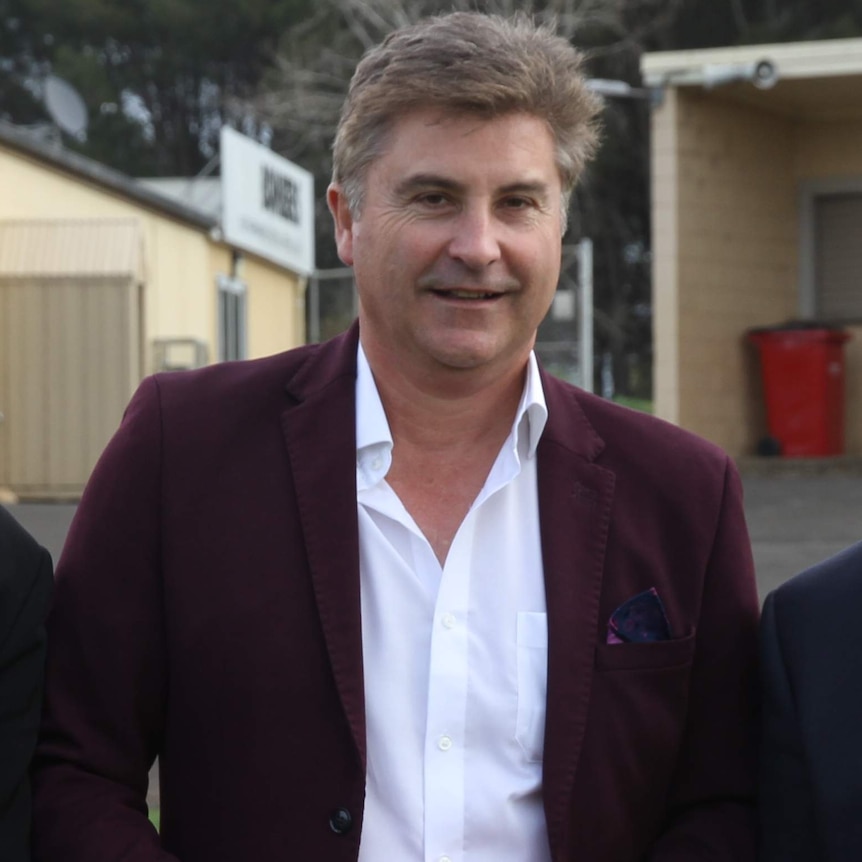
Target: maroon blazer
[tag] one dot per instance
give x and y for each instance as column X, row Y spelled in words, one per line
column 207, row 612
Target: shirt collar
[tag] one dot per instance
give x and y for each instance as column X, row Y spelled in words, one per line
column 374, row 439
column 533, row 410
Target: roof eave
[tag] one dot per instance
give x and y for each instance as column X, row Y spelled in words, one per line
column 101, row 175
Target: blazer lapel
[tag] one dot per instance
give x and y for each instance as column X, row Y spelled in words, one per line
column 320, row 432
column 575, row 502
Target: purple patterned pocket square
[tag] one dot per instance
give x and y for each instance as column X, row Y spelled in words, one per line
column 639, row 620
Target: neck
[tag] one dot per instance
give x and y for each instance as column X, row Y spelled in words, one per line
column 449, row 408
column 447, row 429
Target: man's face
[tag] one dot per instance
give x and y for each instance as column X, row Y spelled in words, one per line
column 456, row 252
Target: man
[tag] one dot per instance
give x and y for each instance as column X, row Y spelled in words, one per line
column 25, row 590
column 402, row 596
column 811, row 648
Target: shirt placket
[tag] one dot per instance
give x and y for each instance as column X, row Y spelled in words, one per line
column 447, row 706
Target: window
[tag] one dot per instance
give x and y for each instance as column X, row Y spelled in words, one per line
column 231, row 319
column 830, row 259
column 838, row 257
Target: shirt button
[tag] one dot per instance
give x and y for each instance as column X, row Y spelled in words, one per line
column 444, row 859
column 340, row 821
column 376, row 463
column 449, row 623
column 445, row 743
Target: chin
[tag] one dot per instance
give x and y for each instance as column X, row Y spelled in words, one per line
column 462, row 354
column 472, row 359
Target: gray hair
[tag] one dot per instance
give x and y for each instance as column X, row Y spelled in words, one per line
column 466, row 63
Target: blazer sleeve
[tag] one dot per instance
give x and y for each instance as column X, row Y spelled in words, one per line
column 103, row 719
column 25, row 590
column 712, row 804
column 787, row 828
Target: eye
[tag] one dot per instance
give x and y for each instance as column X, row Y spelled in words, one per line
column 516, row 202
column 432, row 199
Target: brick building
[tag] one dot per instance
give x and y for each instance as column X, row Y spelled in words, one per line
column 757, row 219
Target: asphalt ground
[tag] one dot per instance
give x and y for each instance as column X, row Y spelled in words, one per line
column 794, row 521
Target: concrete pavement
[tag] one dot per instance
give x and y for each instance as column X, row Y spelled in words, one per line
column 48, row 522
column 796, row 521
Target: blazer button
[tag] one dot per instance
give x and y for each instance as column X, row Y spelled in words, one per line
column 340, row 821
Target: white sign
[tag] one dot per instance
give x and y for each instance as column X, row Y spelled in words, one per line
column 267, row 203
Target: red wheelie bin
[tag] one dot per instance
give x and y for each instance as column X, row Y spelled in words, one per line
column 803, row 385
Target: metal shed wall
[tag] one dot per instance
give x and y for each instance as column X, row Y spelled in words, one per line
column 70, row 348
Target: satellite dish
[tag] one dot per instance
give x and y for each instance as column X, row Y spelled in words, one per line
column 65, row 105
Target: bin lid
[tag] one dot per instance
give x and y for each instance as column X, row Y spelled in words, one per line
column 799, row 331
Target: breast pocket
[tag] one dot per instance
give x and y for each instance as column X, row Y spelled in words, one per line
column 657, row 655
column 639, row 705
column 532, row 683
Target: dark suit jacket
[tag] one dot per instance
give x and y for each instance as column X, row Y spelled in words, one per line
column 811, row 788
column 25, row 590
column 207, row 612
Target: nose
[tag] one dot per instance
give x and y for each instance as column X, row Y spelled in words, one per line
column 475, row 241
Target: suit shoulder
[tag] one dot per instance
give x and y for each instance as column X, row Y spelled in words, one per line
column 223, row 377
column 615, row 419
column 811, row 621
column 640, row 441
column 15, row 542
column 248, row 385
column 831, row 584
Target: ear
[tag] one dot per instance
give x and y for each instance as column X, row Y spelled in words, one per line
column 343, row 222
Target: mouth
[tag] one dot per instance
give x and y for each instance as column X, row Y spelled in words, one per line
column 470, row 295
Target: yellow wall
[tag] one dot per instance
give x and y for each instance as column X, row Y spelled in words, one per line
column 276, row 316
column 275, row 301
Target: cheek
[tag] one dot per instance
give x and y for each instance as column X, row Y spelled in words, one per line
column 540, row 262
column 407, row 253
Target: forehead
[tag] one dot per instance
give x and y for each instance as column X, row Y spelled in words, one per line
column 508, row 148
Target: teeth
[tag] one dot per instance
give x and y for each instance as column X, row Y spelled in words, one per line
column 470, row 294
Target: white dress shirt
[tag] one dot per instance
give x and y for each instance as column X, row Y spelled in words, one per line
column 455, row 658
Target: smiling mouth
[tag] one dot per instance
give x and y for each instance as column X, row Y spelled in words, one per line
column 467, row 294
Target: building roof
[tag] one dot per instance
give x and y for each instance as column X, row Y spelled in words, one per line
column 818, row 80
column 200, row 193
column 828, row 58
column 54, row 154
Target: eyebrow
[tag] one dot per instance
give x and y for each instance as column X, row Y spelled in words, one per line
column 421, row 181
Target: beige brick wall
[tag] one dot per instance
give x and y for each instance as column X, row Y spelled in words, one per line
column 734, row 237
column 827, row 150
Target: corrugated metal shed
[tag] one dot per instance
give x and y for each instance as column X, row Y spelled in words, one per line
column 83, row 248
